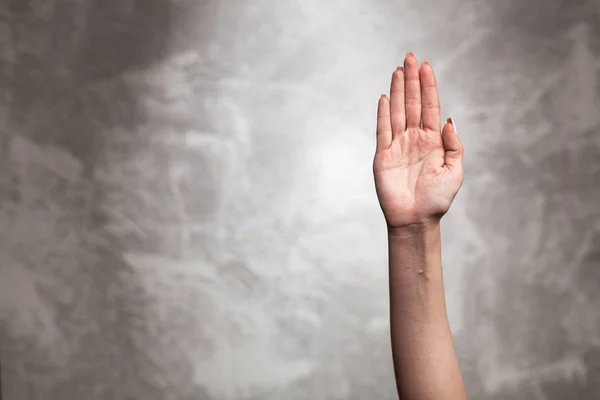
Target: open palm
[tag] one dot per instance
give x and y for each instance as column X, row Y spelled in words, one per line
column 417, row 167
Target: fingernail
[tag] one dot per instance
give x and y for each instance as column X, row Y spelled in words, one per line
column 453, row 125
column 382, row 96
column 410, row 54
column 399, row 68
column 425, row 62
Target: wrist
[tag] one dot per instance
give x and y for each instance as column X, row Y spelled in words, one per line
column 416, row 229
column 417, row 247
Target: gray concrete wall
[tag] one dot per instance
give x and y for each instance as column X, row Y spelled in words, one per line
column 187, row 208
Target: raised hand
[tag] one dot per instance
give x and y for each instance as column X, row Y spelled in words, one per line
column 417, row 167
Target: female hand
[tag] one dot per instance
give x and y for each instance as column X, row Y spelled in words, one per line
column 417, row 167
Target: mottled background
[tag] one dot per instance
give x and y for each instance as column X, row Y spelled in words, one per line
column 187, row 208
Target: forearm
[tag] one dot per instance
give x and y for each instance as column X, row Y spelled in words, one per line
column 424, row 358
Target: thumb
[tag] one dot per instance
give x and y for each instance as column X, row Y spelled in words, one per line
column 452, row 146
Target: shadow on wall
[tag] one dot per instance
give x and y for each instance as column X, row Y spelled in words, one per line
column 71, row 308
column 531, row 325
column 66, row 55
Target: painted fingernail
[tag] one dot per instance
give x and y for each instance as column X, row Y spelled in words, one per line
column 453, row 125
column 410, row 54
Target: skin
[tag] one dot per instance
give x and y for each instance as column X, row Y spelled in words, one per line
column 418, row 169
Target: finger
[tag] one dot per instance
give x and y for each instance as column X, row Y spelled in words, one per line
column 384, row 125
column 412, row 91
column 397, row 102
column 453, row 147
column 430, row 101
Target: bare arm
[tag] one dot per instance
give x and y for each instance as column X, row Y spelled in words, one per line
column 424, row 358
column 418, row 171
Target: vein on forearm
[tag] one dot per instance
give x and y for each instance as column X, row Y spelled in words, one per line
column 415, row 272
